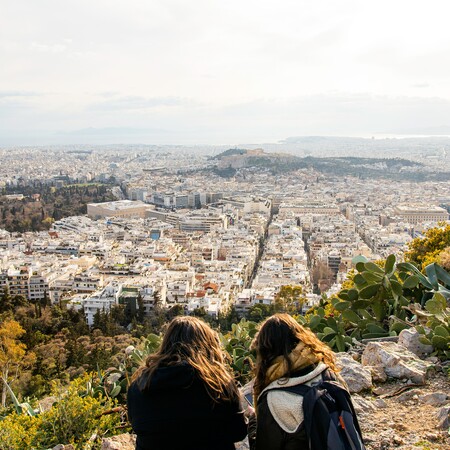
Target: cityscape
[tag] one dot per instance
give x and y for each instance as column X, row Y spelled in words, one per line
column 224, row 225
column 210, row 230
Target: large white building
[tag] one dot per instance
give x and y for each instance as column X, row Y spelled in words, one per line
column 415, row 214
column 120, row 208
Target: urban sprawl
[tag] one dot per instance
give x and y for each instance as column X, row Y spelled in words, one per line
column 182, row 233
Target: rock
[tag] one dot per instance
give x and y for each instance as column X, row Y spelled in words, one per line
column 362, row 406
column 121, row 442
column 409, row 395
column 357, row 377
column 380, row 403
column 433, row 437
column 396, row 361
column 64, row 447
column 243, row 445
column 378, row 373
column 434, row 399
column 409, row 338
column 46, row 403
column 432, row 359
column 443, row 416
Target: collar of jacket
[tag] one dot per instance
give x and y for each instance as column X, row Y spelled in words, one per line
column 286, row 382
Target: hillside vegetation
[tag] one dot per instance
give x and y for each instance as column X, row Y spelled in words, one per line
column 390, row 168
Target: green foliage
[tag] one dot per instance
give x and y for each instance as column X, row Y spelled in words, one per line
column 376, row 303
column 53, row 204
column 437, row 329
column 237, row 343
column 113, row 383
column 426, row 250
column 75, row 418
column 329, row 327
column 289, row 298
column 374, row 307
column 18, row 431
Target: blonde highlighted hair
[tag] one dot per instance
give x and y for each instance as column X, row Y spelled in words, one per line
column 278, row 336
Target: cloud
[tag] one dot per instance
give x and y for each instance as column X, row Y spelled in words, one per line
column 49, row 48
column 20, row 94
column 136, row 103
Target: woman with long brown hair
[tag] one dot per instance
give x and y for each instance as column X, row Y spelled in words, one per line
column 287, row 355
column 184, row 397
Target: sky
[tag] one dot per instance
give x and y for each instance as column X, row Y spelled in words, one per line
column 221, row 72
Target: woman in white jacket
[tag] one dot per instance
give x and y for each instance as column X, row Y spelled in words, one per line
column 287, row 355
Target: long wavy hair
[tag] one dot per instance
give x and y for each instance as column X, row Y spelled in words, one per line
column 190, row 340
column 278, row 336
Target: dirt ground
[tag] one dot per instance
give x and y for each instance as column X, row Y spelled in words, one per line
column 405, row 421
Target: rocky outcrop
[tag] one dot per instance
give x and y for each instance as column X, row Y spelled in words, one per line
column 357, row 377
column 395, row 360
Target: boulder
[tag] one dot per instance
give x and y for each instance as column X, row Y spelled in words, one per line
column 395, row 360
column 409, row 338
column 357, row 377
column 120, row 442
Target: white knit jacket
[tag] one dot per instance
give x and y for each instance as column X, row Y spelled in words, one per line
column 287, row 407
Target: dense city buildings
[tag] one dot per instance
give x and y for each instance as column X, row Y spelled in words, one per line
column 204, row 232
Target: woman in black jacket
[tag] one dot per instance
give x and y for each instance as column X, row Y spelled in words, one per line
column 184, row 398
column 287, row 355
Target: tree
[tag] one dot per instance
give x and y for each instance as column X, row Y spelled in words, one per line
column 321, row 275
column 141, row 308
column 12, row 352
column 426, row 250
column 6, row 303
column 289, row 298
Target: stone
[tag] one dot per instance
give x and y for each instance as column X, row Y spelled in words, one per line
column 120, row 442
column 243, row 445
column 378, row 374
column 434, row 399
column 357, row 377
column 396, row 361
column 409, row 338
column 64, row 447
column 362, row 406
column 409, row 395
column 47, row 402
column 443, row 416
column 380, row 403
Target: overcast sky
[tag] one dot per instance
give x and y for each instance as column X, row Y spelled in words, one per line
column 207, row 71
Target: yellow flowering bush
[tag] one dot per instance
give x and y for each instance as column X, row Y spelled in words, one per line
column 75, row 418
column 18, row 432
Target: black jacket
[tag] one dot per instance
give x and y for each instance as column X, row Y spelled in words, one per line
column 176, row 413
column 279, row 420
